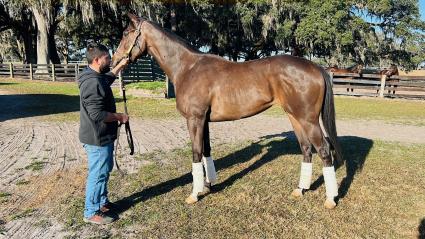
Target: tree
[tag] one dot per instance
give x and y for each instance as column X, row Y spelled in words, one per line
column 16, row 17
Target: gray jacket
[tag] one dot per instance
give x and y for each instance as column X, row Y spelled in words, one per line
column 96, row 100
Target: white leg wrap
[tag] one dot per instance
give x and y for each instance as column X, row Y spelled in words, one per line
column 211, row 175
column 198, row 179
column 330, row 182
column 305, row 176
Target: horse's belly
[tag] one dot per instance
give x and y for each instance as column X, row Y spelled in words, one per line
column 234, row 112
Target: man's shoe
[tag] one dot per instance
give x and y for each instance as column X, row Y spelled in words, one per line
column 99, row 218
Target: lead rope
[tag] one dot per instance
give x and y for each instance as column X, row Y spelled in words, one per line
column 118, row 141
column 116, row 150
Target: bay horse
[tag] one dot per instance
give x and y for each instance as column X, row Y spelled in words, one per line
column 391, row 71
column 356, row 69
column 209, row 88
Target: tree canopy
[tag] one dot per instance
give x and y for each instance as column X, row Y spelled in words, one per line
column 371, row 32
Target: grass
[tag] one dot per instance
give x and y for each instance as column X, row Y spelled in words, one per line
column 4, row 194
column 4, row 197
column 405, row 112
column 381, row 188
column 25, row 213
column 59, row 101
column 36, row 166
column 22, row 182
column 148, row 85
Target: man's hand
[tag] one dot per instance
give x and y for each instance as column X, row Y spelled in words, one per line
column 120, row 117
column 121, row 65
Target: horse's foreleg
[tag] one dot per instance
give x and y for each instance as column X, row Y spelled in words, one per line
column 207, row 160
column 196, row 132
column 322, row 147
column 306, row 164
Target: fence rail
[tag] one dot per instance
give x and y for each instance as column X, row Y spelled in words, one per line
column 379, row 85
column 144, row 69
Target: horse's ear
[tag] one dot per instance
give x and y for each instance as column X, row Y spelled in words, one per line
column 134, row 19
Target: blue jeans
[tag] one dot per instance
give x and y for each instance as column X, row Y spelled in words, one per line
column 100, row 162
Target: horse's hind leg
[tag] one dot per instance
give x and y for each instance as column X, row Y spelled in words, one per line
column 207, row 160
column 196, row 132
column 316, row 137
column 306, row 164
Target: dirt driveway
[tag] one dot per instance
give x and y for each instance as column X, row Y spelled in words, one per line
column 33, row 150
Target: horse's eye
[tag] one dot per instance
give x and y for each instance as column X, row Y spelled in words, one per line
column 125, row 34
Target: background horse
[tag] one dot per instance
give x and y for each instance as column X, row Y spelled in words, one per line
column 391, row 71
column 211, row 89
column 356, row 69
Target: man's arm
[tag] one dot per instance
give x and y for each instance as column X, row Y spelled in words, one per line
column 112, row 75
column 92, row 96
column 93, row 101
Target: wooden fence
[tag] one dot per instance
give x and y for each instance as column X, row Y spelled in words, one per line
column 379, row 86
column 41, row 71
column 144, row 69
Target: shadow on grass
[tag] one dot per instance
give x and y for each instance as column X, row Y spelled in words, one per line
column 7, row 83
column 28, row 105
column 355, row 152
column 421, row 229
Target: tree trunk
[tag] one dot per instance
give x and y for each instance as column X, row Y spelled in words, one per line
column 43, row 26
column 53, row 52
column 30, row 46
column 173, row 20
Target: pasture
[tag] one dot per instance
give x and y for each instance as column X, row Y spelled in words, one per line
column 381, row 185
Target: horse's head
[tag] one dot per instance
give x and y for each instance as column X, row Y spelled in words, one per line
column 133, row 44
column 358, row 69
column 394, row 69
column 391, row 71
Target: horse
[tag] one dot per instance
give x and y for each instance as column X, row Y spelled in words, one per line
column 391, row 71
column 356, row 69
column 209, row 88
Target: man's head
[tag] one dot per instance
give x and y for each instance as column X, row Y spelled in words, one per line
column 98, row 57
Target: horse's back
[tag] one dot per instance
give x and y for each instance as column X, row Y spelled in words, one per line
column 241, row 89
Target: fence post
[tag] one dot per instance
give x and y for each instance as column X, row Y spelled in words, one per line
column 169, row 88
column 152, row 70
column 11, row 69
column 381, row 90
column 76, row 71
column 53, row 72
column 31, row 71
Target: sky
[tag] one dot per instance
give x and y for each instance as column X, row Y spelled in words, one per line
column 422, row 9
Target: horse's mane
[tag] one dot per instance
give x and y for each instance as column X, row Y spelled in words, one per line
column 173, row 36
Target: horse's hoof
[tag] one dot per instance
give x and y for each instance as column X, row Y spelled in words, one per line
column 330, row 204
column 191, row 199
column 297, row 193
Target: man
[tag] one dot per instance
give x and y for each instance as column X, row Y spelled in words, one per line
column 98, row 130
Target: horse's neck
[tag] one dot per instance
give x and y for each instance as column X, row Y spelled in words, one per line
column 170, row 53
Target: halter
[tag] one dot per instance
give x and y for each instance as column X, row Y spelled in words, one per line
column 137, row 34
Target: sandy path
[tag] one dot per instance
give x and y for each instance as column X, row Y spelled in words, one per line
column 55, row 146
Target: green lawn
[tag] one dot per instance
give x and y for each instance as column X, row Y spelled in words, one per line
column 381, row 188
column 65, row 96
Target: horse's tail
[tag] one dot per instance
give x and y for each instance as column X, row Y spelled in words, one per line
column 328, row 117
